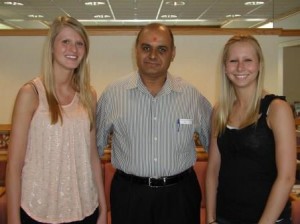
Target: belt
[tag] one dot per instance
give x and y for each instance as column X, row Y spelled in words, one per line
column 155, row 182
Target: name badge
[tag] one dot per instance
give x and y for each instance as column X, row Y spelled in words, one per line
column 185, row 121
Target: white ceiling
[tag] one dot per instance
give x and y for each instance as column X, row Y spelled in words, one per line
column 211, row 13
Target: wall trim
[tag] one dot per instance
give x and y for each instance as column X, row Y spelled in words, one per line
column 177, row 30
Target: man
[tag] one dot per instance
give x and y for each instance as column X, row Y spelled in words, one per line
column 153, row 116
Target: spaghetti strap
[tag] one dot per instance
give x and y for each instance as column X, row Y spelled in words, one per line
column 33, row 86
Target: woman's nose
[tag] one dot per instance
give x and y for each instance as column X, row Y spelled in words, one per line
column 72, row 47
column 241, row 66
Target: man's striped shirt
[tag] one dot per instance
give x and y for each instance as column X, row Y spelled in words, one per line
column 152, row 136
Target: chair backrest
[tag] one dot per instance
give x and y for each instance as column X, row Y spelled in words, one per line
column 200, row 169
column 109, row 172
column 296, row 211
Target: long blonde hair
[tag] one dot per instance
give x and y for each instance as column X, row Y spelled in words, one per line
column 227, row 95
column 81, row 76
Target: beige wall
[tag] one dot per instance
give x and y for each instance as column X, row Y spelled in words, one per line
column 112, row 56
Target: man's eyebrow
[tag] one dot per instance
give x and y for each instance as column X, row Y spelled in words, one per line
column 159, row 46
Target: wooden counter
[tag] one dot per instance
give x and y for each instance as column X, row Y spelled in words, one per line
column 2, row 191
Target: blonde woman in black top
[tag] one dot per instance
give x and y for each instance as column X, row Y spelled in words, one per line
column 252, row 156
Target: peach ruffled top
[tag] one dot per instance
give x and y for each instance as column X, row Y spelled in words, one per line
column 57, row 179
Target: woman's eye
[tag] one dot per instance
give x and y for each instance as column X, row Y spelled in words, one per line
column 80, row 44
column 66, row 41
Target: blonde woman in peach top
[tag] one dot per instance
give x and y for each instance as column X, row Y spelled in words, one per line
column 53, row 170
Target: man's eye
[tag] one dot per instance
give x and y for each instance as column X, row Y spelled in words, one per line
column 162, row 49
column 145, row 48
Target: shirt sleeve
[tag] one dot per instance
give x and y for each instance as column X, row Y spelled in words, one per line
column 102, row 124
column 204, row 116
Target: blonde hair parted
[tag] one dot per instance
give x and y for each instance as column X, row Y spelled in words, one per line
column 227, row 95
column 81, row 76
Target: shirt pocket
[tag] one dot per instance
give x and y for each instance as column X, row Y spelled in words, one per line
column 185, row 133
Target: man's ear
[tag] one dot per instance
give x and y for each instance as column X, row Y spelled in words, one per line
column 173, row 53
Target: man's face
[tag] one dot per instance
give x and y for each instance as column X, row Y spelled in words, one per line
column 154, row 52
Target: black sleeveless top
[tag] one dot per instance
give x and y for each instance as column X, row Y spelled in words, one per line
column 248, row 170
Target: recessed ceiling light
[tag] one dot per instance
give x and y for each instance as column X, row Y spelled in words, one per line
column 13, row 3
column 16, row 20
column 3, row 26
column 169, row 16
column 255, row 20
column 94, row 3
column 175, row 3
column 35, row 16
column 101, row 16
column 254, row 3
column 267, row 25
column 233, row 16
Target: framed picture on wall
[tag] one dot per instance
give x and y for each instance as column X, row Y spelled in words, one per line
column 4, row 137
column 4, row 141
column 297, row 108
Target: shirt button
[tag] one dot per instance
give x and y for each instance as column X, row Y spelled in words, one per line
column 155, row 159
column 155, row 139
column 155, row 118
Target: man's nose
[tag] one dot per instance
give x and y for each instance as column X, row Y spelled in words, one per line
column 153, row 54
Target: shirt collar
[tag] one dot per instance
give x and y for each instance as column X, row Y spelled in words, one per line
column 172, row 83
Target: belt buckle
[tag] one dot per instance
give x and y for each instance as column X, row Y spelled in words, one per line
column 150, row 183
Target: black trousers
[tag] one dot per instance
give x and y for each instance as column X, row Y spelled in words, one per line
column 92, row 219
column 133, row 203
column 225, row 221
